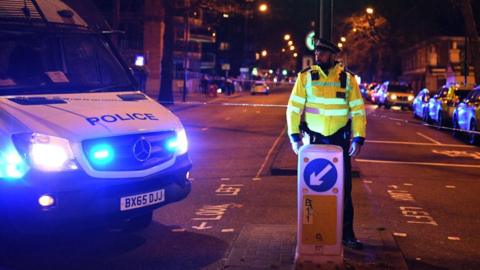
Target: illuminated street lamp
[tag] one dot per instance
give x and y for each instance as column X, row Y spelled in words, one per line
column 343, row 39
column 286, row 37
column 340, row 45
column 283, row 50
column 355, row 30
column 295, row 54
column 264, row 53
column 263, row 7
column 369, row 10
column 292, row 48
column 225, row 15
column 290, row 43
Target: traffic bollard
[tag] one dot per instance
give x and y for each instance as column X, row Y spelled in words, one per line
column 320, row 207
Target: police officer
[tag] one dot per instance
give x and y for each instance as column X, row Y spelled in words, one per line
column 326, row 105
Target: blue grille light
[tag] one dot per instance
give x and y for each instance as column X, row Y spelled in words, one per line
column 102, row 154
column 172, row 145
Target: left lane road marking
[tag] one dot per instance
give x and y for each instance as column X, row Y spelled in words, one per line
column 428, row 138
column 418, row 163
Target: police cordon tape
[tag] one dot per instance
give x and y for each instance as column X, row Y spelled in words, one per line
column 257, row 105
column 267, row 106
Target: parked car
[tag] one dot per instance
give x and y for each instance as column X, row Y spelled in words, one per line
column 260, row 87
column 466, row 116
column 420, row 104
column 393, row 93
column 442, row 104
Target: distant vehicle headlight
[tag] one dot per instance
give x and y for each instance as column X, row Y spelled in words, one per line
column 46, row 153
column 394, row 97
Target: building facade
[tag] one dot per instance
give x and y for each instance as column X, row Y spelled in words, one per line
column 435, row 62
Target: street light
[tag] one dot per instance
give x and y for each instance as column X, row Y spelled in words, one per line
column 263, row 7
column 295, row 54
column 369, row 10
column 286, row 37
column 290, row 43
column 292, row 48
column 264, row 53
column 340, row 45
column 283, row 50
column 343, row 39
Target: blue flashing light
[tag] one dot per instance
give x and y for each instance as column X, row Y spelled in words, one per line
column 102, row 154
column 12, row 165
column 172, row 145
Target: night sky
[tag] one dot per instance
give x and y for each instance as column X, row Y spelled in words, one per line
column 414, row 20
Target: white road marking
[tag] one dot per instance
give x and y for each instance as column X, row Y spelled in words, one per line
column 454, row 238
column 224, row 179
column 258, row 112
column 228, row 118
column 367, row 181
column 418, row 259
column 179, row 230
column 450, row 186
column 400, row 234
column 398, row 124
column 396, row 119
column 369, row 190
column 228, row 230
column 428, row 138
column 270, row 153
column 204, row 129
column 256, row 179
column 407, row 184
column 418, row 163
column 424, row 144
column 202, row 226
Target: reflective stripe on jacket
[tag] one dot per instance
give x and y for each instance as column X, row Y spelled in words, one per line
column 324, row 104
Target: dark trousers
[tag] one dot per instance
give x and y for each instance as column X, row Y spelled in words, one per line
column 342, row 139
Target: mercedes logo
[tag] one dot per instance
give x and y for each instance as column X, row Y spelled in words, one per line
column 142, row 149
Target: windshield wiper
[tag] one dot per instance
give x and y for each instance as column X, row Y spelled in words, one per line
column 110, row 87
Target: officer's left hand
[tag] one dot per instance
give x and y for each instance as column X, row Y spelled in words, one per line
column 355, row 148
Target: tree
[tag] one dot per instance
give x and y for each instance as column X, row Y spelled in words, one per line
column 472, row 34
column 368, row 45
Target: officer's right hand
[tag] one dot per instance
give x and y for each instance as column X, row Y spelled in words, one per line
column 296, row 147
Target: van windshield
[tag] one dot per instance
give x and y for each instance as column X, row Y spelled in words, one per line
column 399, row 88
column 48, row 63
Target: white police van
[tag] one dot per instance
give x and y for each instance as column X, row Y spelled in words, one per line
column 78, row 145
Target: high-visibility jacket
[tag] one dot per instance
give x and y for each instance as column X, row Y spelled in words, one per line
column 326, row 105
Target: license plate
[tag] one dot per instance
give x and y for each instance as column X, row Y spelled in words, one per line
column 142, row 200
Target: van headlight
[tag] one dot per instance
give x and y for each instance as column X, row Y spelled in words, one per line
column 393, row 97
column 45, row 153
column 410, row 98
column 179, row 144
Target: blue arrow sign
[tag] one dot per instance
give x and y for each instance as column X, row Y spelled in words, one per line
column 320, row 175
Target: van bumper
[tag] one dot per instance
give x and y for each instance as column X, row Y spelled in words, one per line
column 83, row 202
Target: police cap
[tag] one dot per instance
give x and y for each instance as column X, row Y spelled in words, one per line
column 326, row 45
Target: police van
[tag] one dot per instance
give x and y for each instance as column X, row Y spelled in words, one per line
column 79, row 145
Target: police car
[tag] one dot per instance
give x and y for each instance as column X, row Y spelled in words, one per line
column 79, row 145
column 442, row 104
column 420, row 104
column 467, row 116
